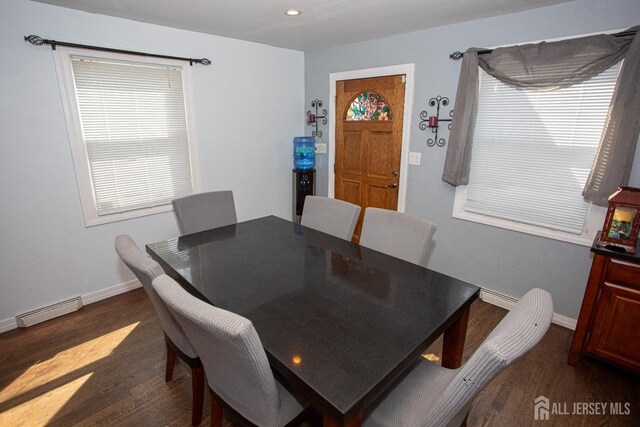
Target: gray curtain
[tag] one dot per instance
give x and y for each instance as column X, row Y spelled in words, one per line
column 612, row 165
column 458, row 159
column 549, row 66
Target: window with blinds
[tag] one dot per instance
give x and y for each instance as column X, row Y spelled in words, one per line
column 533, row 150
column 133, row 135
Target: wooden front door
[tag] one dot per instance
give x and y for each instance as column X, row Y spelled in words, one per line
column 369, row 115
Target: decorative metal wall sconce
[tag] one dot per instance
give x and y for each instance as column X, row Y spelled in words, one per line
column 312, row 119
column 432, row 121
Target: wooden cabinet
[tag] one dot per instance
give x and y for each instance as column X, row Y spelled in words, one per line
column 609, row 322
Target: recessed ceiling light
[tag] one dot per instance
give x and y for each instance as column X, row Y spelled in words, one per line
column 292, row 12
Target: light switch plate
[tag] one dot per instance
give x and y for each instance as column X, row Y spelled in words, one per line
column 415, row 158
column 321, row 148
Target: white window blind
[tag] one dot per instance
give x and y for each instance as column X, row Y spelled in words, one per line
column 134, row 128
column 533, row 150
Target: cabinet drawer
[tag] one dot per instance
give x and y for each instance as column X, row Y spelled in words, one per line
column 623, row 272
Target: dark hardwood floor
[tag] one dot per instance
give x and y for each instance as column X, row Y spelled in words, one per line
column 104, row 365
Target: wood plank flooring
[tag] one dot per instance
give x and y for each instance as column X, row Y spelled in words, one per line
column 104, row 366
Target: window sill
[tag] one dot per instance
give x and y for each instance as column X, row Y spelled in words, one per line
column 525, row 228
column 594, row 222
column 93, row 220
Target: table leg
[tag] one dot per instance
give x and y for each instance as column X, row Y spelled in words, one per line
column 453, row 342
column 330, row 422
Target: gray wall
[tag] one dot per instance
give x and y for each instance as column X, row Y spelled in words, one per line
column 505, row 261
column 248, row 107
column 249, row 104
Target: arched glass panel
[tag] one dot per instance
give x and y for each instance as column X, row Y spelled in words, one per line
column 368, row 106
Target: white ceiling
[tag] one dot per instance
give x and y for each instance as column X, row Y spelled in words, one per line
column 323, row 23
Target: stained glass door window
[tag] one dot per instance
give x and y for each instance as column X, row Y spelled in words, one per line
column 368, row 106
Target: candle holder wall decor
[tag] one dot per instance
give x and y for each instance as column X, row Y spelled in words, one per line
column 312, row 119
column 427, row 121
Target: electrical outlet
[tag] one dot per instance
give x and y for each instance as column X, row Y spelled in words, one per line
column 415, row 158
column 321, row 148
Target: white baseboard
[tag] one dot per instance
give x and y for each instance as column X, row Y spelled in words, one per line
column 110, row 292
column 8, row 324
column 506, row 301
column 90, row 298
column 496, row 298
column 564, row 321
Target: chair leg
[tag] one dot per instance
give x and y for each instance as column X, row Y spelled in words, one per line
column 197, row 385
column 216, row 412
column 171, row 362
column 464, row 422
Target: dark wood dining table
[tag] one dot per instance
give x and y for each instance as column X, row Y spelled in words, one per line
column 340, row 323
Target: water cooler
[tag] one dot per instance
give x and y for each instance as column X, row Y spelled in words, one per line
column 304, row 173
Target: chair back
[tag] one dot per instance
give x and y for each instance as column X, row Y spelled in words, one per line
column 231, row 352
column 397, row 234
column 331, row 216
column 521, row 329
column 204, row 211
column 145, row 269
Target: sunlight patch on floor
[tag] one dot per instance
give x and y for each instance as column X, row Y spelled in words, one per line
column 65, row 363
column 41, row 409
column 431, row 357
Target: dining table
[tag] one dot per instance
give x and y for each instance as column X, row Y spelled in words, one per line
column 340, row 323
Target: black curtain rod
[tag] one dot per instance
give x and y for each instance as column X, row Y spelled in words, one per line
column 458, row 54
column 39, row 41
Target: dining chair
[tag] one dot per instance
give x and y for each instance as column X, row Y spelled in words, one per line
column 145, row 269
column 434, row 396
column 234, row 360
column 331, row 216
column 204, row 211
column 397, row 234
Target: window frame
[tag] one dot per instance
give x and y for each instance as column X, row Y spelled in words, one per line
column 593, row 221
column 64, row 71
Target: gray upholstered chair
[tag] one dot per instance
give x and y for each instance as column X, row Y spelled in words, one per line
column 331, row 216
column 204, row 211
column 434, row 396
column 146, row 269
column 234, row 360
column 397, row 234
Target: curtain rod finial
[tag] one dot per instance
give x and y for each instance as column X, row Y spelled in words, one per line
column 456, row 55
column 34, row 40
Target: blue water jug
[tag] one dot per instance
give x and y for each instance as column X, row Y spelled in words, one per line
column 304, row 152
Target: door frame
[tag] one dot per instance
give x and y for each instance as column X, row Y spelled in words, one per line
column 408, row 70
